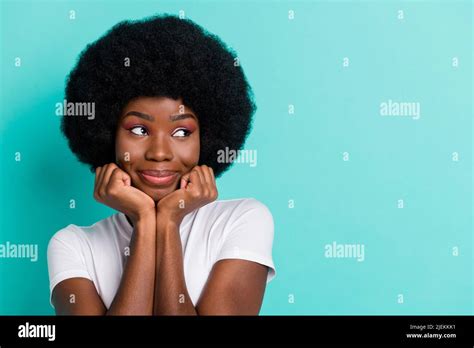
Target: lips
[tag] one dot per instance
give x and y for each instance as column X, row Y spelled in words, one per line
column 158, row 177
column 158, row 173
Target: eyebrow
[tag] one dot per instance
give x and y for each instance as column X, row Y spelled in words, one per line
column 151, row 118
column 141, row 115
column 181, row 117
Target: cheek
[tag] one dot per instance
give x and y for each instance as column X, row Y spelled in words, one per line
column 126, row 151
column 189, row 154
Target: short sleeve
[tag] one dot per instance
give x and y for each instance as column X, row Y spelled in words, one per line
column 64, row 258
column 249, row 235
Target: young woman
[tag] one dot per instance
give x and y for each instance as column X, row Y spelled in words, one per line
column 167, row 97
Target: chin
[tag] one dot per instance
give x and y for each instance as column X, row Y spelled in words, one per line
column 158, row 194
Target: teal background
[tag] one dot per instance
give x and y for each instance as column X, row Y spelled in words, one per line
column 300, row 156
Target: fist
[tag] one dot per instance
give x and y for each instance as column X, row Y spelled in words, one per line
column 197, row 188
column 113, row 188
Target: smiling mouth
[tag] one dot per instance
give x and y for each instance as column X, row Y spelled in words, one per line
column 158, row 178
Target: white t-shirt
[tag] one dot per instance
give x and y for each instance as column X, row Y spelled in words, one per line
column 224, row 229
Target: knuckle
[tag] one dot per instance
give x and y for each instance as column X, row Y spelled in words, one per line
column 114, row 172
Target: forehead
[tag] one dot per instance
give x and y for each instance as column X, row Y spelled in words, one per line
column 162, row 107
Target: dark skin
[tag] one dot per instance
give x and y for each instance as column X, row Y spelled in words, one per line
column 161, row 134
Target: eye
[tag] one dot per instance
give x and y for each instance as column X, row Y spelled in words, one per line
column 139, row 130
column 181, row 133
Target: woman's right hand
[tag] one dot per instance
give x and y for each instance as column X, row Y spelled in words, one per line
column 113, row 188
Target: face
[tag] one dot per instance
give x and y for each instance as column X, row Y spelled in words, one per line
column 157, row 142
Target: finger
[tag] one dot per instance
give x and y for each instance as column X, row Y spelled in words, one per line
column 192, row 177
column 206, row 188
column 126, row 178
column 96, row 181
column 211, row 182
column 212, row 174
column 106, row 177
column 123, row 176
column 202, row 179
column 108, row 173
column 195, row 180
column 101, row 175
column 207, row 175
column 96, row 178
column 118, row 176
column 184, row 180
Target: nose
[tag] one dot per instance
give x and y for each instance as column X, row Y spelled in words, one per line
column 159, row 148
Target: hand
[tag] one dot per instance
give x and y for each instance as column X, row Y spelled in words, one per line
column 197, row 188
column 113, row 188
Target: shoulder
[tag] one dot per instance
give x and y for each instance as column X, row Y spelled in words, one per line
column 247, row 233
column 68, row 236
column 234, row 215
column 75, row 235
column 238, row 207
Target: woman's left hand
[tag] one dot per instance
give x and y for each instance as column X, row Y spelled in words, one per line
column 197, row 188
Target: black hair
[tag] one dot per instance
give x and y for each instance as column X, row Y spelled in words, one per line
column 159, row 56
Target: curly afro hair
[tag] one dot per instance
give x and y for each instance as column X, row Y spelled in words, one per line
column 168, row 57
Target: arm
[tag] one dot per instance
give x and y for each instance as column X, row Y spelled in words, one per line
column 234, row 287
column 171, row 293
column 135, row 293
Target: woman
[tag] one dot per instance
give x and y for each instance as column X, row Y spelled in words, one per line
column 167, row 97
